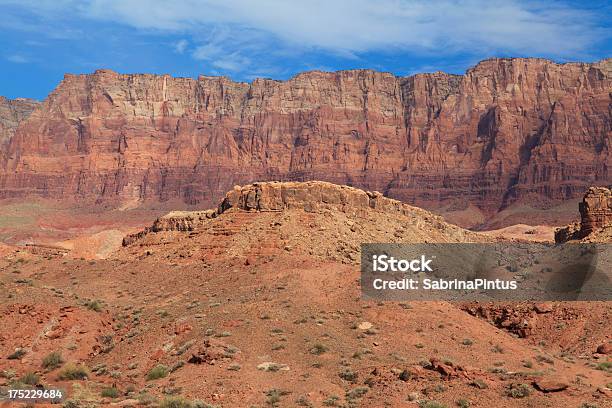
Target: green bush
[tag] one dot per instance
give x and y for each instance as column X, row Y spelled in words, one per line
column 94, row 305
column 431, row 404
column 52, row 360
column 318, row 349
column 518, row 390
column 111, row 392
column 30, row 378
column 157, row 372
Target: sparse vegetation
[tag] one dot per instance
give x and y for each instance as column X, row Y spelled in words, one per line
column 604, row 366
column 356, row 393
column 303, row 401
column 52, row 360
column 331, row 401
column 157, row 372
column 30, row 378
column 179, row 402
column 463, row 403
column 497, row 349
column 518, row 390
column 348, row 375
column 73, row 372
column 431, row 404
column 110, row 392
column 94, row 305
column 544, row 359
column 318, row 349
column 467, row 342
column 274, row 396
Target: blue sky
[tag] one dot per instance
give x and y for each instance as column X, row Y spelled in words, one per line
column 43, row 39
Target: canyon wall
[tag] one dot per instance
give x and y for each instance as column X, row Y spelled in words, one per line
column 508, row 130
column 12, row 113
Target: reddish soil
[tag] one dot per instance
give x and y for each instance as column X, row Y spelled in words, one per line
column 255, row 309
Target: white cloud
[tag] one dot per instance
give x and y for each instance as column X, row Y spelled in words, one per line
column 356, row 26
column 17, row 59
column 180, row 46
column 231, row 34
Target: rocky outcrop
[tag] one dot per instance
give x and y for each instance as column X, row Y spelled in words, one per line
column 507, row 130
column 12, row 113
column 595, row 215
column 173, row 221
column 312, row 196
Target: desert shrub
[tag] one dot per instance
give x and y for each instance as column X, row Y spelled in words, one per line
column 110, row 392
column 157, row 372
column 71, row 403
column 467, row 342
column 73, row 372
column 348, row 375
column 356, row 393
column 431, row 404
column 544, row 359
column 331, row 401
column 518, row 390
column 94, row 305
column 463, row 403
column 178, row 402
column 605, row 366
column 302, row 401
column 274, row 396
column 52, row 360
column 318, row 349
column 30, row 378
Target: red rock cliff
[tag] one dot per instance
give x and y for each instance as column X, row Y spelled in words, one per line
column 506, row 130
column 12, row 113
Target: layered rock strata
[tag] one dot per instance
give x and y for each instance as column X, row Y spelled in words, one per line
column 313, row 196
column 508, row 130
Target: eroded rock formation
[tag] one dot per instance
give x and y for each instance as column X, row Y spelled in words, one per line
column 595, row 215
column 507, row 130
column 311, row 196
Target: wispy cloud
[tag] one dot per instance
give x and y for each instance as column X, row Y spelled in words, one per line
column 17, row 59
column 180, row 46
column 353, row 26
column 233, row 34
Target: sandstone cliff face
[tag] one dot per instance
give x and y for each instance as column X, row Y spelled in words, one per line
column 12, row 113
column 595, row 217
column 509, row 129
